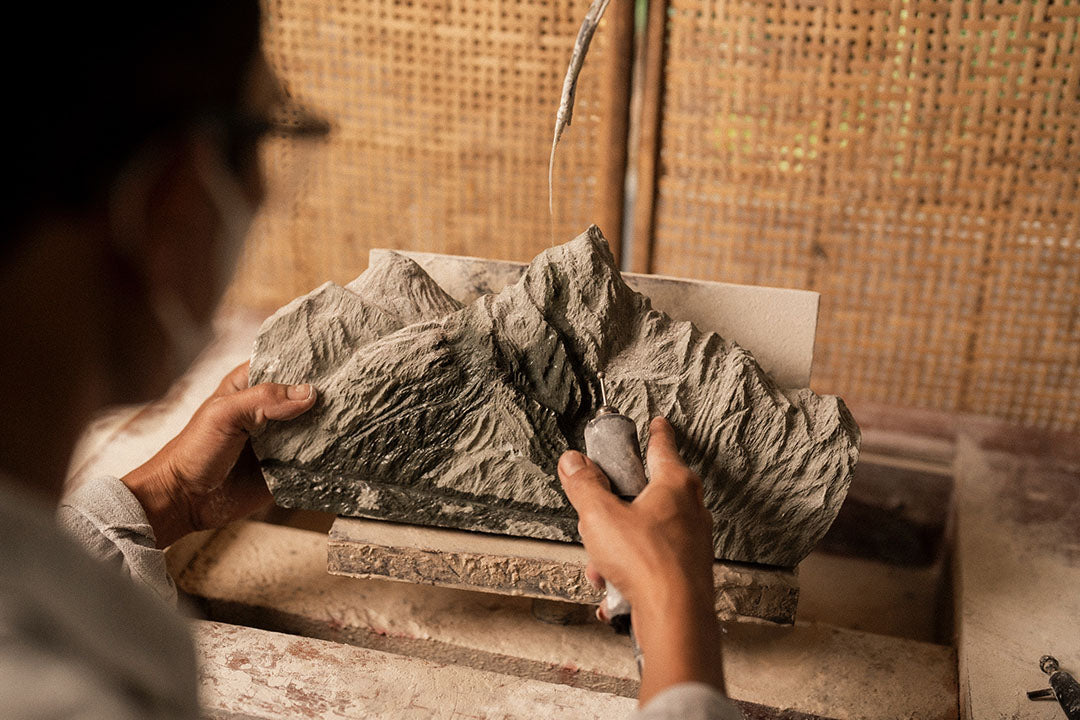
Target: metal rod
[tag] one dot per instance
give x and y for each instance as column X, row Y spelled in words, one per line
column 601, row 377
column 603, row 391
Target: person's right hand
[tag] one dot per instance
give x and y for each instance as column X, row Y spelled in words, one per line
column 658, row 551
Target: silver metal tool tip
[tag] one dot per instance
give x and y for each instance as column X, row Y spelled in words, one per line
column 603, row 390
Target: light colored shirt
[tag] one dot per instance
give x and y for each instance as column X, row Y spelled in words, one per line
column 689, row 701
column 109, row 523
column 76, row 639
column 79, row 641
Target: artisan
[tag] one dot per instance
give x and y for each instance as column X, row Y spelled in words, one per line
column 133, row 130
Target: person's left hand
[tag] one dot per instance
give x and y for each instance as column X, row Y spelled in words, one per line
column 208, row 475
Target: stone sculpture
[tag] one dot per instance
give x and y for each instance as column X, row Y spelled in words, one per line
column 434, row 413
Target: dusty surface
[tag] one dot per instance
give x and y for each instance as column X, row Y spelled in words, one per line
column 877, row 598
column 459, row 419
column 896, row 512
column 274, row 577
column 839, row 673
column 1017, row 576
column 527, row 567
column 249, row 673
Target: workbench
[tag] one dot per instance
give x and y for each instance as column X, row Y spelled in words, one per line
column 953, row 566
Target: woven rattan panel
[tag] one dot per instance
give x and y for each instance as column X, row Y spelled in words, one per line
column 443, row 112
column 916, row 161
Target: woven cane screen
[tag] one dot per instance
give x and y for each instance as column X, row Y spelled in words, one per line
column 443, row 113
column 915, row 161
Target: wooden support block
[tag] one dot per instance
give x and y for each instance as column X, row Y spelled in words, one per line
column 249, row 673
column 526, row 567
column 1016, row 574
column 274, row 577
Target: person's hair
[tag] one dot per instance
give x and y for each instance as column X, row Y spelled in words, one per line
column 90, row 83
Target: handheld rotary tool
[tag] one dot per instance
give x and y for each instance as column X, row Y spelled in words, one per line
column 611, row 442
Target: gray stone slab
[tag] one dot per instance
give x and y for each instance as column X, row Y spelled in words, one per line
column 526, row 567
column 458, row 419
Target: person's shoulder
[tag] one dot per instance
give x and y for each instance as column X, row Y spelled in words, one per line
column 58, row 602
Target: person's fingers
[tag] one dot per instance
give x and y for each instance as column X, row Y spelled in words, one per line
column 235, row 381
column 665, row 462
column 662, row 445
column 585, row 484
column 249, row 410
column 667, row 469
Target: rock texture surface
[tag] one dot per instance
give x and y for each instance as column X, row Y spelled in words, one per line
column 438, row 414
column 541, row 569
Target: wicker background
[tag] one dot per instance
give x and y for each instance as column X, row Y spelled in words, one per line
column 443, row 113
column 915, row 161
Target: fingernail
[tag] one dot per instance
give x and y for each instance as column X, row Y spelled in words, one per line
column 571, row 462
column 299, row 392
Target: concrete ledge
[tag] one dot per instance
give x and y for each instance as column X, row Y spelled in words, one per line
column 249, row 673
column 1016, row 576
column 275, row 577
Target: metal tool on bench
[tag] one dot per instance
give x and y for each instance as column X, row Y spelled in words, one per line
column 1063, row 687
column 611, row 442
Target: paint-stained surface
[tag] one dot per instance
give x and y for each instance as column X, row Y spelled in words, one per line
column 252, row 673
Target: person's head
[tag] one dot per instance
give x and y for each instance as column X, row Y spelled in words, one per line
column 131, row 158
column 132, row 138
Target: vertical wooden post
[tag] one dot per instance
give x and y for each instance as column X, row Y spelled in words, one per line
column 648, row 152
column 617, row 27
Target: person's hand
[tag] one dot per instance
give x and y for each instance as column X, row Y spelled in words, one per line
column 208, row 475
column 658, row 551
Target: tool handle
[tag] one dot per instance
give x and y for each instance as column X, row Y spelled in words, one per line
column 1067, row 690
column 611, row 442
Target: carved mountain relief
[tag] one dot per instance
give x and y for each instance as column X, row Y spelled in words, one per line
column 438, row 414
